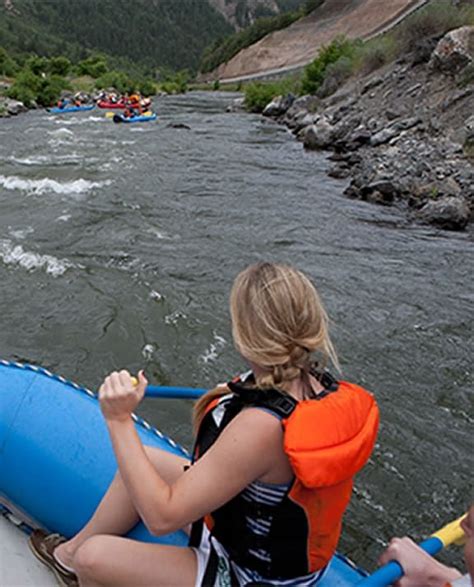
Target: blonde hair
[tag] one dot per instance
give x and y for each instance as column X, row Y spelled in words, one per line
column 278, row 322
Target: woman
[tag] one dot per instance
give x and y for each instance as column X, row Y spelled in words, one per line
column 275, row 456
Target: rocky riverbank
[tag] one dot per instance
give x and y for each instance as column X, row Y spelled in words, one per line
column 403, row 136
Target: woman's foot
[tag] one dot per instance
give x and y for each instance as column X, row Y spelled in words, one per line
column 45, row 547
column 64, row 555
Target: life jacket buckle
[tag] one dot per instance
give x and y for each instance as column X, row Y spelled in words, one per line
column 285, row 405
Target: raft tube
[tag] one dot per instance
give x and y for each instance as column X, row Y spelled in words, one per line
column 67, row 109
column 56, row 458
column 138, row 118
column 113, row 105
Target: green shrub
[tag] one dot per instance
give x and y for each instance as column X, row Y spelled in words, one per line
column 84, row 83
column 116, row 79
column 50, row 90
column 8, row 66
column 259, row 94
column 26, row 87
column 95, row 66
column 335, row 75
column 469, row 148
column 437, row 18
column 176, row 83
column 37, row 65
column 43, row 89
column 375, row 53
column 21, row 93
column 59, row 66
column 170, row 88
column 467, row 76
column 147, row 88
column 314, row 73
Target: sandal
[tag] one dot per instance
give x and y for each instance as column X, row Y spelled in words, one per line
column 42, row 545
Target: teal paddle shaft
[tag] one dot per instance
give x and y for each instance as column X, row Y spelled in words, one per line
column 452, row 533
column 174, row 392
column 393, row 571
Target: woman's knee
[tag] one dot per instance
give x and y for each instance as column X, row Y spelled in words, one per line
column 90, row 556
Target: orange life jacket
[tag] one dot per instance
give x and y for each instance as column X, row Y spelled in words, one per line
column 327, row 439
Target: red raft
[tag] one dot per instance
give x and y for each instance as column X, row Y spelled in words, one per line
column 112, row 105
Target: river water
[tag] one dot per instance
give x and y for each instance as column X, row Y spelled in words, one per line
column 119, row 244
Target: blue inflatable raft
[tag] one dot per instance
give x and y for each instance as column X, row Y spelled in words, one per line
column 68, row 109
column 56, row 459
column 138, row 118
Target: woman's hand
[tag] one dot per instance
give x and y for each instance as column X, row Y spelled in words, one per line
column 119, row 396
column 418, row 566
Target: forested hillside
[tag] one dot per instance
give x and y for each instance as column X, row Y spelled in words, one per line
column 153, row 33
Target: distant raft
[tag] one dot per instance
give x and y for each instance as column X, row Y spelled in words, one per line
column 67, row 109
column 112, row 105
column 137, row 118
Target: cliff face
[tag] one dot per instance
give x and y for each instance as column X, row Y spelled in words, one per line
column 241, row 13
column 299, row 43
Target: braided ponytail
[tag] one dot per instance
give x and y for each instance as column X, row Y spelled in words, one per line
column 278, row 323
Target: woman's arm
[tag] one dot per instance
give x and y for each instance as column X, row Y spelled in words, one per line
column 246, row 450
column 419, row 567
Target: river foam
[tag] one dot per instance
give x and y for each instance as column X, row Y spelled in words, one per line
column 211, row 354
column 47, row 185
column 12, row 254
column 42, row 160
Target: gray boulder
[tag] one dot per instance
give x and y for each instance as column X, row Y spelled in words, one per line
column 449, row 212
column 318, row 135
column 383, row 136
column 340, row 172
column 303, row 104
column 236, row 106
column 454, row 52
column 392, row 130
column 324, row 135
column 302, row 120
column 372, row 83
column 14, row 107
column 279, row 105
column 469, row 128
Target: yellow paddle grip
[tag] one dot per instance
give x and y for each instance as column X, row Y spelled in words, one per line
column 452, row 533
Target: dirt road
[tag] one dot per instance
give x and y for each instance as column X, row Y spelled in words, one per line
column 298, row 44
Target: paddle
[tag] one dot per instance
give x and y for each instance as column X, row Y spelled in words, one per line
column 174, row 392
column 452, row 533
column 167, row 392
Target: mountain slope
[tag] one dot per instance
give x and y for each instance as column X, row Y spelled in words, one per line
column 299, row 43
column 155, row 33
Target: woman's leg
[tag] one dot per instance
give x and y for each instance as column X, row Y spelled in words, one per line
column 104, row 561
column 116, row 513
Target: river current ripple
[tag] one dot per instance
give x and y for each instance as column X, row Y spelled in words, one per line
column 119, row 244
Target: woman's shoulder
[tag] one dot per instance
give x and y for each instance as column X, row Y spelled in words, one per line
column 258, row 422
